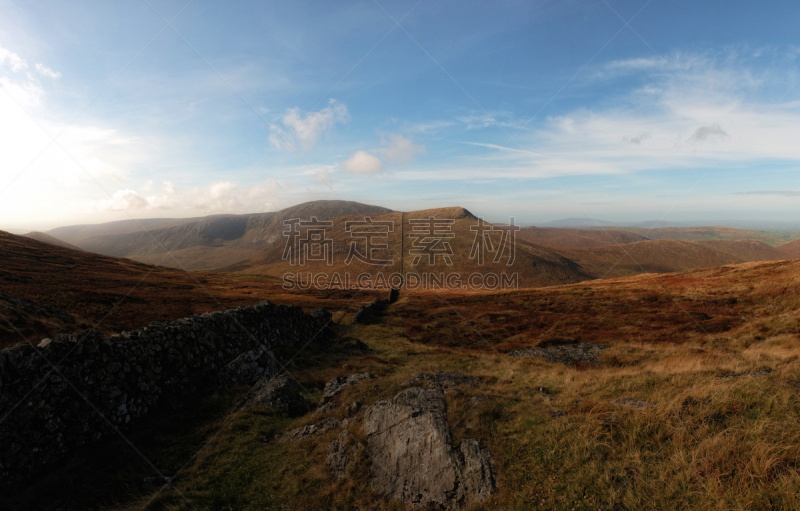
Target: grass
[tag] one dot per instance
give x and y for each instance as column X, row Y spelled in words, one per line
column 711, row 357
column 711, row 441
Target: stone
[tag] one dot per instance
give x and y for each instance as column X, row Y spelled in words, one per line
column 447, row 379
column 366, row 313
column 565, row 354
column 279, row 393
column 311, row 430
column 125, row 377
column 339, row 454
column 412, row 455
column 337, row 385
column 248, row 368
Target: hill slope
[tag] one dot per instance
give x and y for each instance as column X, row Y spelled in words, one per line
column 666, row 256
column 713, row 233
column 790, row 250
column 577, row 238
column 534, row 265
column 46, row 238
column 46, row 289
column 200, row 243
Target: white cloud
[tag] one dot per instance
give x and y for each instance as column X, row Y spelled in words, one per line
column 170, row 188
column 322, row 175
column 46, row 71
column 306, row 130
column 398, row 149
column 221, row 196
column 17, row 63
column 487, row 120
column 692, row 111
column 362, row 163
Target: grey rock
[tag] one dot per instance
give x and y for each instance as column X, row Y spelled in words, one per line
column 311, row 430
column 447, row 379
column 279, row 393
column 565, row 354
column 412, row 455
column 336, row 386
column 248, row 368
column 340, row 454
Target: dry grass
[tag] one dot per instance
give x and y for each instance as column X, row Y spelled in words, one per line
column 695, row 405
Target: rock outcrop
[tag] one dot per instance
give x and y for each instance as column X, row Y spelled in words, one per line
column 335, row 386
column 311, row 430
column 79, row 388
column 280, row 393
column 413, row 459
column 340, row 454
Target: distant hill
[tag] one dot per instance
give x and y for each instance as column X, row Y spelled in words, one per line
column 46, row 238
column 255, row 244
column 535, row 265
column 667, row 256
column 577, row 223
column 577, row 238
column 708, row 233
column 790, row 250
column 200, row 243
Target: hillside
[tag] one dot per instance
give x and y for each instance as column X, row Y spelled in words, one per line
column 790, row 250
column 200, row 243
column 46, row 238
column 666, row 256
column 534, row 265
column 693, row 384
column 564, row 237
column 47, row 289
column 713, row 233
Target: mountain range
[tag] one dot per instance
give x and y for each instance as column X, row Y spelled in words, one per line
column 257, row 244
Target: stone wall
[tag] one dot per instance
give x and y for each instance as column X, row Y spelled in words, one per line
column 103, row 384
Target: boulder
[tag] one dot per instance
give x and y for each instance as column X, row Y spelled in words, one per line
column 335, row 386
column 412, row 455
column 279, row 393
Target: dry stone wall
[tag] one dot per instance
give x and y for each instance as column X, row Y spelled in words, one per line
column 102, row 384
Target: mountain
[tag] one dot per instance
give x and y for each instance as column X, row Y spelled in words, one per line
column 200, row 243
column 46, row 238
column 534, row 265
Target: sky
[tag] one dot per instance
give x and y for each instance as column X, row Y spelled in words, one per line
column 538, row 110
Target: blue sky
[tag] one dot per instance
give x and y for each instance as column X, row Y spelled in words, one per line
column 620, row 110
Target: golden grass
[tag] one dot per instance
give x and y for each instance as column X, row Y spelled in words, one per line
column 717, row 437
